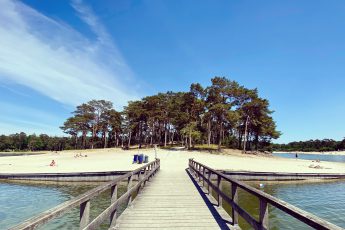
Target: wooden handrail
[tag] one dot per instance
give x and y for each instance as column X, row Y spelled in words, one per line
column 200, row 171
column 83, row 201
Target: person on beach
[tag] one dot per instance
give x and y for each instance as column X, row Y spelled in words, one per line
column 52, row 163
column 296, row 155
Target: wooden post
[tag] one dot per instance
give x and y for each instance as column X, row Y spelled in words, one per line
column 263, row 214
column 144, row 176
column 150, row 168
column 129, row 185
column 84, row 214
column 219, row 186
column 199, row 173
column 153, row 168
column 234, row 197
column 203, row 179
column 209, row 188
column 113, row 198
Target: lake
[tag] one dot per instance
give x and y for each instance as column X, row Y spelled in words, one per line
column 13, row 154
column 21, row 201
column 321, row 157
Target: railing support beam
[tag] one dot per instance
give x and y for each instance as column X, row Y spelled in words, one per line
column 113, row 198
column 129, row 185
column 263, row 215
column 219, row 186
column 234, row 198
column 84, row 214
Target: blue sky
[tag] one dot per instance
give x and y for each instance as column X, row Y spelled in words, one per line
column 55, row 55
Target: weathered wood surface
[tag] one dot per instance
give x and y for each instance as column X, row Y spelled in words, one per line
column 203, row 172
column 170, row 201
column 84, row 201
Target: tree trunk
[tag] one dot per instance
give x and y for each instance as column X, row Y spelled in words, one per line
column 105, row 139
column 257, row 142
column 172, row 138
column 129, row 140
column 220, row 136
column 165, row 135
column 245, row 135
column 93, row 136
column 209, row 132
column 239, row 139
column 190, row 138
column 76, row 141
column 84, row 139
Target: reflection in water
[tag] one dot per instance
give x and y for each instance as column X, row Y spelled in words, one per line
column 325, row 200
column 22, row 201
column 19, row 202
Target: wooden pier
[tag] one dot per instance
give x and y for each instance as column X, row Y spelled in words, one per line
column 171, row 201
column 170, row 196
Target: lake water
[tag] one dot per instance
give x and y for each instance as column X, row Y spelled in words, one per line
column 321, row 157
column 21, row 201
column 12, row 154
column 323, row 199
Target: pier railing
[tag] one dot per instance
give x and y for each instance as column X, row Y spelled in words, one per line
column 143, row 174
column 207, row 175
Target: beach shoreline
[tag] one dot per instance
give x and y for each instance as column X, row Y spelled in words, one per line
column 105, row 160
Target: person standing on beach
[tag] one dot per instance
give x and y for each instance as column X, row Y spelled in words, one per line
column 296, row 155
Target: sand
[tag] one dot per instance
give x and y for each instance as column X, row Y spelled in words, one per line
column 119, row 160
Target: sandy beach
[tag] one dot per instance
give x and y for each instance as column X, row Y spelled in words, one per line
column 119, row 160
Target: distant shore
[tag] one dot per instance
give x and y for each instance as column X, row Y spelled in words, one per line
column 105, row 160
column 340, row 153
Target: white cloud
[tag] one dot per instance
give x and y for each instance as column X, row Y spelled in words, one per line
column 59, row 62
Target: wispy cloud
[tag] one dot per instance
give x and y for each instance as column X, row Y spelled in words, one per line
column 54, row 59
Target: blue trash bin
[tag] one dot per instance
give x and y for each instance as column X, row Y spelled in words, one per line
column 135, row 158
column 146, row 159
column 140, row 158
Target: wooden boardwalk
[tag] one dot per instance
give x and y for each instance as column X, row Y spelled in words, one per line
column 170, row 201
column 173, row 199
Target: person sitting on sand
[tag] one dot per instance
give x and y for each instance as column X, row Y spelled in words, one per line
column 52, row 163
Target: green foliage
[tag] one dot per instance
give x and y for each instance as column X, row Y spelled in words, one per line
column 23, row 142
column 223, row 113
column 311, row 146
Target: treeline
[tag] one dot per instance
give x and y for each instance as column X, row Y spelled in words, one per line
column 224, row 113
column 23, row 142
column 311, row 146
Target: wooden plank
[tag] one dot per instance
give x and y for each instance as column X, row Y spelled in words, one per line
column 84, row 214
column 170, row 201
column 113, row 198
column 59, row 210
column 234, row 198
column 293, row 211
column 263, row 215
